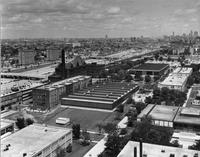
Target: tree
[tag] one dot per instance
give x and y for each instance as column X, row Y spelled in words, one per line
column 110, row 127
column 156, row 56
column 120, row 108
column 60, row 152
column 20, row 122
column 76, row 131
column 99, row 125
column 195, row 146
column 69, row 148
column 147, row 78
column 161, row 58
column 113, row 145
column 139, row 107
column 29, row 121
column 85, row 135
column 128, row 78
column 175, row 143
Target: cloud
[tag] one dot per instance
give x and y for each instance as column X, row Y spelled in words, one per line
column 114, row 10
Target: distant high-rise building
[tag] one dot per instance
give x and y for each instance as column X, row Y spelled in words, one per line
column 173, row 34
column 196, row 34
column 53, row 54
column 106, row 36
column 26, row 56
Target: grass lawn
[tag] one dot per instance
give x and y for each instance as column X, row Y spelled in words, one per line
column 79, row 150
column 86, row 118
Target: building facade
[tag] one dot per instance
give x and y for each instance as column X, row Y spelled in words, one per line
column 49, row 96
column 26, row 56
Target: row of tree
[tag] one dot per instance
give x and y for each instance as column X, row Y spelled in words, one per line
column 167, row 96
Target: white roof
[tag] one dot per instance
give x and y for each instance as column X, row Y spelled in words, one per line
column 180, row 70
column 31, row 140
column 175, row 80
column 153, row 150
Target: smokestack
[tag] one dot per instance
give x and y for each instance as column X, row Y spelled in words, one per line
column 63, row 63
column 141, row 148
column 135, row 151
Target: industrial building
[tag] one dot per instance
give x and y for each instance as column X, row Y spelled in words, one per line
column 26, row 56
column 172, row 116
column 137, row 149
column 36, row 140
column 106, row 95
column 151, row 69
column 177, row 79
column 48, row 96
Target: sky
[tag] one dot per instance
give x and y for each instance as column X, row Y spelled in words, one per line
column 96, row 18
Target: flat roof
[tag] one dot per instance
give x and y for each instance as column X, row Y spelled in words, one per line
column 146, row 110
column 162, row 112
column 181, row 70
column 151, row 67
column 153, row 150
column 31, row 140
column 187, row 119
column 174, row 80
column 6, row 123
column 190, row 111
column 7, row 84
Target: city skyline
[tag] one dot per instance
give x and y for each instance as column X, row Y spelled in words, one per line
column 92, row 18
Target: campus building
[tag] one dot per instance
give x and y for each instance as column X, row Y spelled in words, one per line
column 7, row 127
column 137, row 149
column 106, row 95
column 186, row 118
column 177, row 79
column 151, row 69
column 36, row 140
column 26, row 56
column 48, row 96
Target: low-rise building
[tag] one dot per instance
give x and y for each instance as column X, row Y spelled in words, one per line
column 36, row 140
column 174, row 81
column 177, row 79
column 48, row 96
column 151, row 69
column 137, row 149
column 171, row 116
column 7, row 126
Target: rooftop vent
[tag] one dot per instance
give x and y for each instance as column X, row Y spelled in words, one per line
column 24, row 154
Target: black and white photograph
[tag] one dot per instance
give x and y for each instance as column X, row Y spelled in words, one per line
column 100, row 78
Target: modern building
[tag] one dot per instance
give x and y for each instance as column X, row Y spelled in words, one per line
column 137, row 149
column 36, row 140
column 151, row 69
column 177, row 82
column 48, row 96
column 161, row 115
column 7, row 127
column 183, row 71
column 26, row 56
column 177, row 79
column 103, row 96
column 186, row 118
